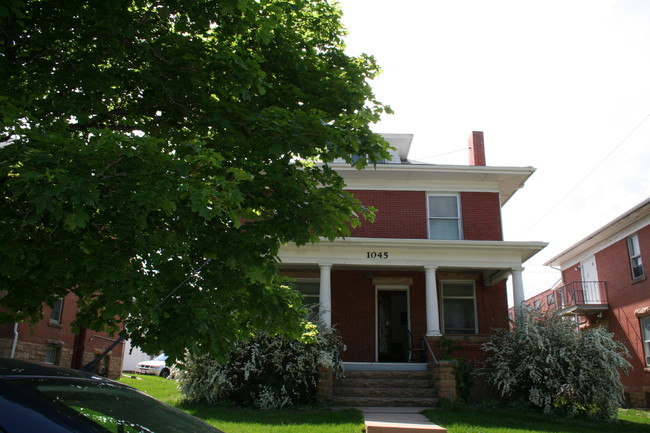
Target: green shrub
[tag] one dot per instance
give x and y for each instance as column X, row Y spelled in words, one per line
column 555, row 367
column 265, row 372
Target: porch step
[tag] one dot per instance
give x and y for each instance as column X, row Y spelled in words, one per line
column 384, row 401
column 385, row 388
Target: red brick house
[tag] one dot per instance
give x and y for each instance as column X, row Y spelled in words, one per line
column 52, row 341
column 605, row 284
column 433, row 263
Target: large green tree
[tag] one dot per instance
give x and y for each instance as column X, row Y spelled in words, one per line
column 139, row 138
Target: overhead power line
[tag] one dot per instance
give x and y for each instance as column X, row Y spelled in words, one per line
column 587, row 175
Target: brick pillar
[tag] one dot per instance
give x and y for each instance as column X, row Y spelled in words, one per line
column 324, row 385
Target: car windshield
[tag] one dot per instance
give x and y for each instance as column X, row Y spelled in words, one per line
column 161, row 358
column 118, row 409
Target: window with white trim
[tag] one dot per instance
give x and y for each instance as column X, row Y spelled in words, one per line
column 635, row 256
column 57, row 311
column 309, row 288
column 444, row 216
column 645, row 334
column 550, row 299
column 458, row 307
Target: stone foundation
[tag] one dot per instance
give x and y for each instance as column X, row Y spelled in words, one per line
column 324, row 391
column 444, row 379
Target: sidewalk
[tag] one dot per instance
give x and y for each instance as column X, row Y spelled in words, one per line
column 398, row 420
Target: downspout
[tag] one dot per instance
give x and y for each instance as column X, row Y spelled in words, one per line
column 15, row 342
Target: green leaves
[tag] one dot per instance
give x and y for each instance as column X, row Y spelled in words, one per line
column 139, row 138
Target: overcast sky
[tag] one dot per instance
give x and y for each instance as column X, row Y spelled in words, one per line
column 560, row 85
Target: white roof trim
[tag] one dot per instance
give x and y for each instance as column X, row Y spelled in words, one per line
column 428, row 177
column 620, row 228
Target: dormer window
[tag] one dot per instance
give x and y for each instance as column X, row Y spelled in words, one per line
column 444, row 216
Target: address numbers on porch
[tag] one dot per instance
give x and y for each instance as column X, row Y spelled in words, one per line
column 377, row 255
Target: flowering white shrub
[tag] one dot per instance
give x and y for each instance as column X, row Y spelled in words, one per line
column 548, row 362
column 265, row 372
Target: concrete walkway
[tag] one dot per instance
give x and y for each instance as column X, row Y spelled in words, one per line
column 398, row 420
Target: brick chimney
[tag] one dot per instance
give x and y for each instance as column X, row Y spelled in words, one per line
column 476, row 148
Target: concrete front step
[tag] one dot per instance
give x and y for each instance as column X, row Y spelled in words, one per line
column 357, row 401
column 384, row 374
column 388, row 392
column 384, row 383
column 379, row 387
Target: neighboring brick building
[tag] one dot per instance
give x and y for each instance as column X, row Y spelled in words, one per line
column 52, row 341
column 433, row 263
column 605, row 284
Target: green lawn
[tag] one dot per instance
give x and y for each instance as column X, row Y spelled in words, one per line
column 473, row 420
column 460, row 420
column 240, row 420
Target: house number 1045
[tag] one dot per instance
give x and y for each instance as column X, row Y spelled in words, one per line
column 377, row 254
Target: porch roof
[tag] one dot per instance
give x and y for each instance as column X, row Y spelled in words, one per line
column 494, row 257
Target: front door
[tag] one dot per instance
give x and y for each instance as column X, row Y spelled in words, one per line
column 392, row 326
column 590, row 286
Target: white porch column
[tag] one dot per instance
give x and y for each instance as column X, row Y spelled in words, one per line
column 432, row 312
column 518, row 288
column 325, row 294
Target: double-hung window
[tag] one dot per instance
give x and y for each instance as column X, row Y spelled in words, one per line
column 52, row 354
column 459, row 307
column 309, row 288
column 635, row 256
column 645, row 334
column 444, row 216
column 550, row 299
column 57, row 311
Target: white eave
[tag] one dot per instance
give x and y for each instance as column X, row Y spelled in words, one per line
column 623, row 226
column 437, row 178
column 412, row 253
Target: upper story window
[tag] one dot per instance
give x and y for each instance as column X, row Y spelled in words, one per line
column 57, row 311
column 550, row 299
column 444, row 216
column 635, row 256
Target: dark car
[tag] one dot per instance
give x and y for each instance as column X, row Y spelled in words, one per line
column 42, row 398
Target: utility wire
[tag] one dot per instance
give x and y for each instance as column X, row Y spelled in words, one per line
column 587, row 175
column 443, row 154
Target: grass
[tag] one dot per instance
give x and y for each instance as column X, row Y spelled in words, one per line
column 241, row 420
column 473, row 420
column 457, row 420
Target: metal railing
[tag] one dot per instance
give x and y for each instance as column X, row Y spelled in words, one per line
column 429, row 349
column 581, row 293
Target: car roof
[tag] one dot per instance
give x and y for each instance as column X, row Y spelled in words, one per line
column 12, row 368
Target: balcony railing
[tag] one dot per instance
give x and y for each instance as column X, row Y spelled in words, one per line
column 582, row 297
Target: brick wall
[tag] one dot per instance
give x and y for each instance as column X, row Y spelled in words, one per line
column 353, row 310
column 400, row 215
column 624, row 297
column 481, row 216
column 33, row 339
column 403, row 215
